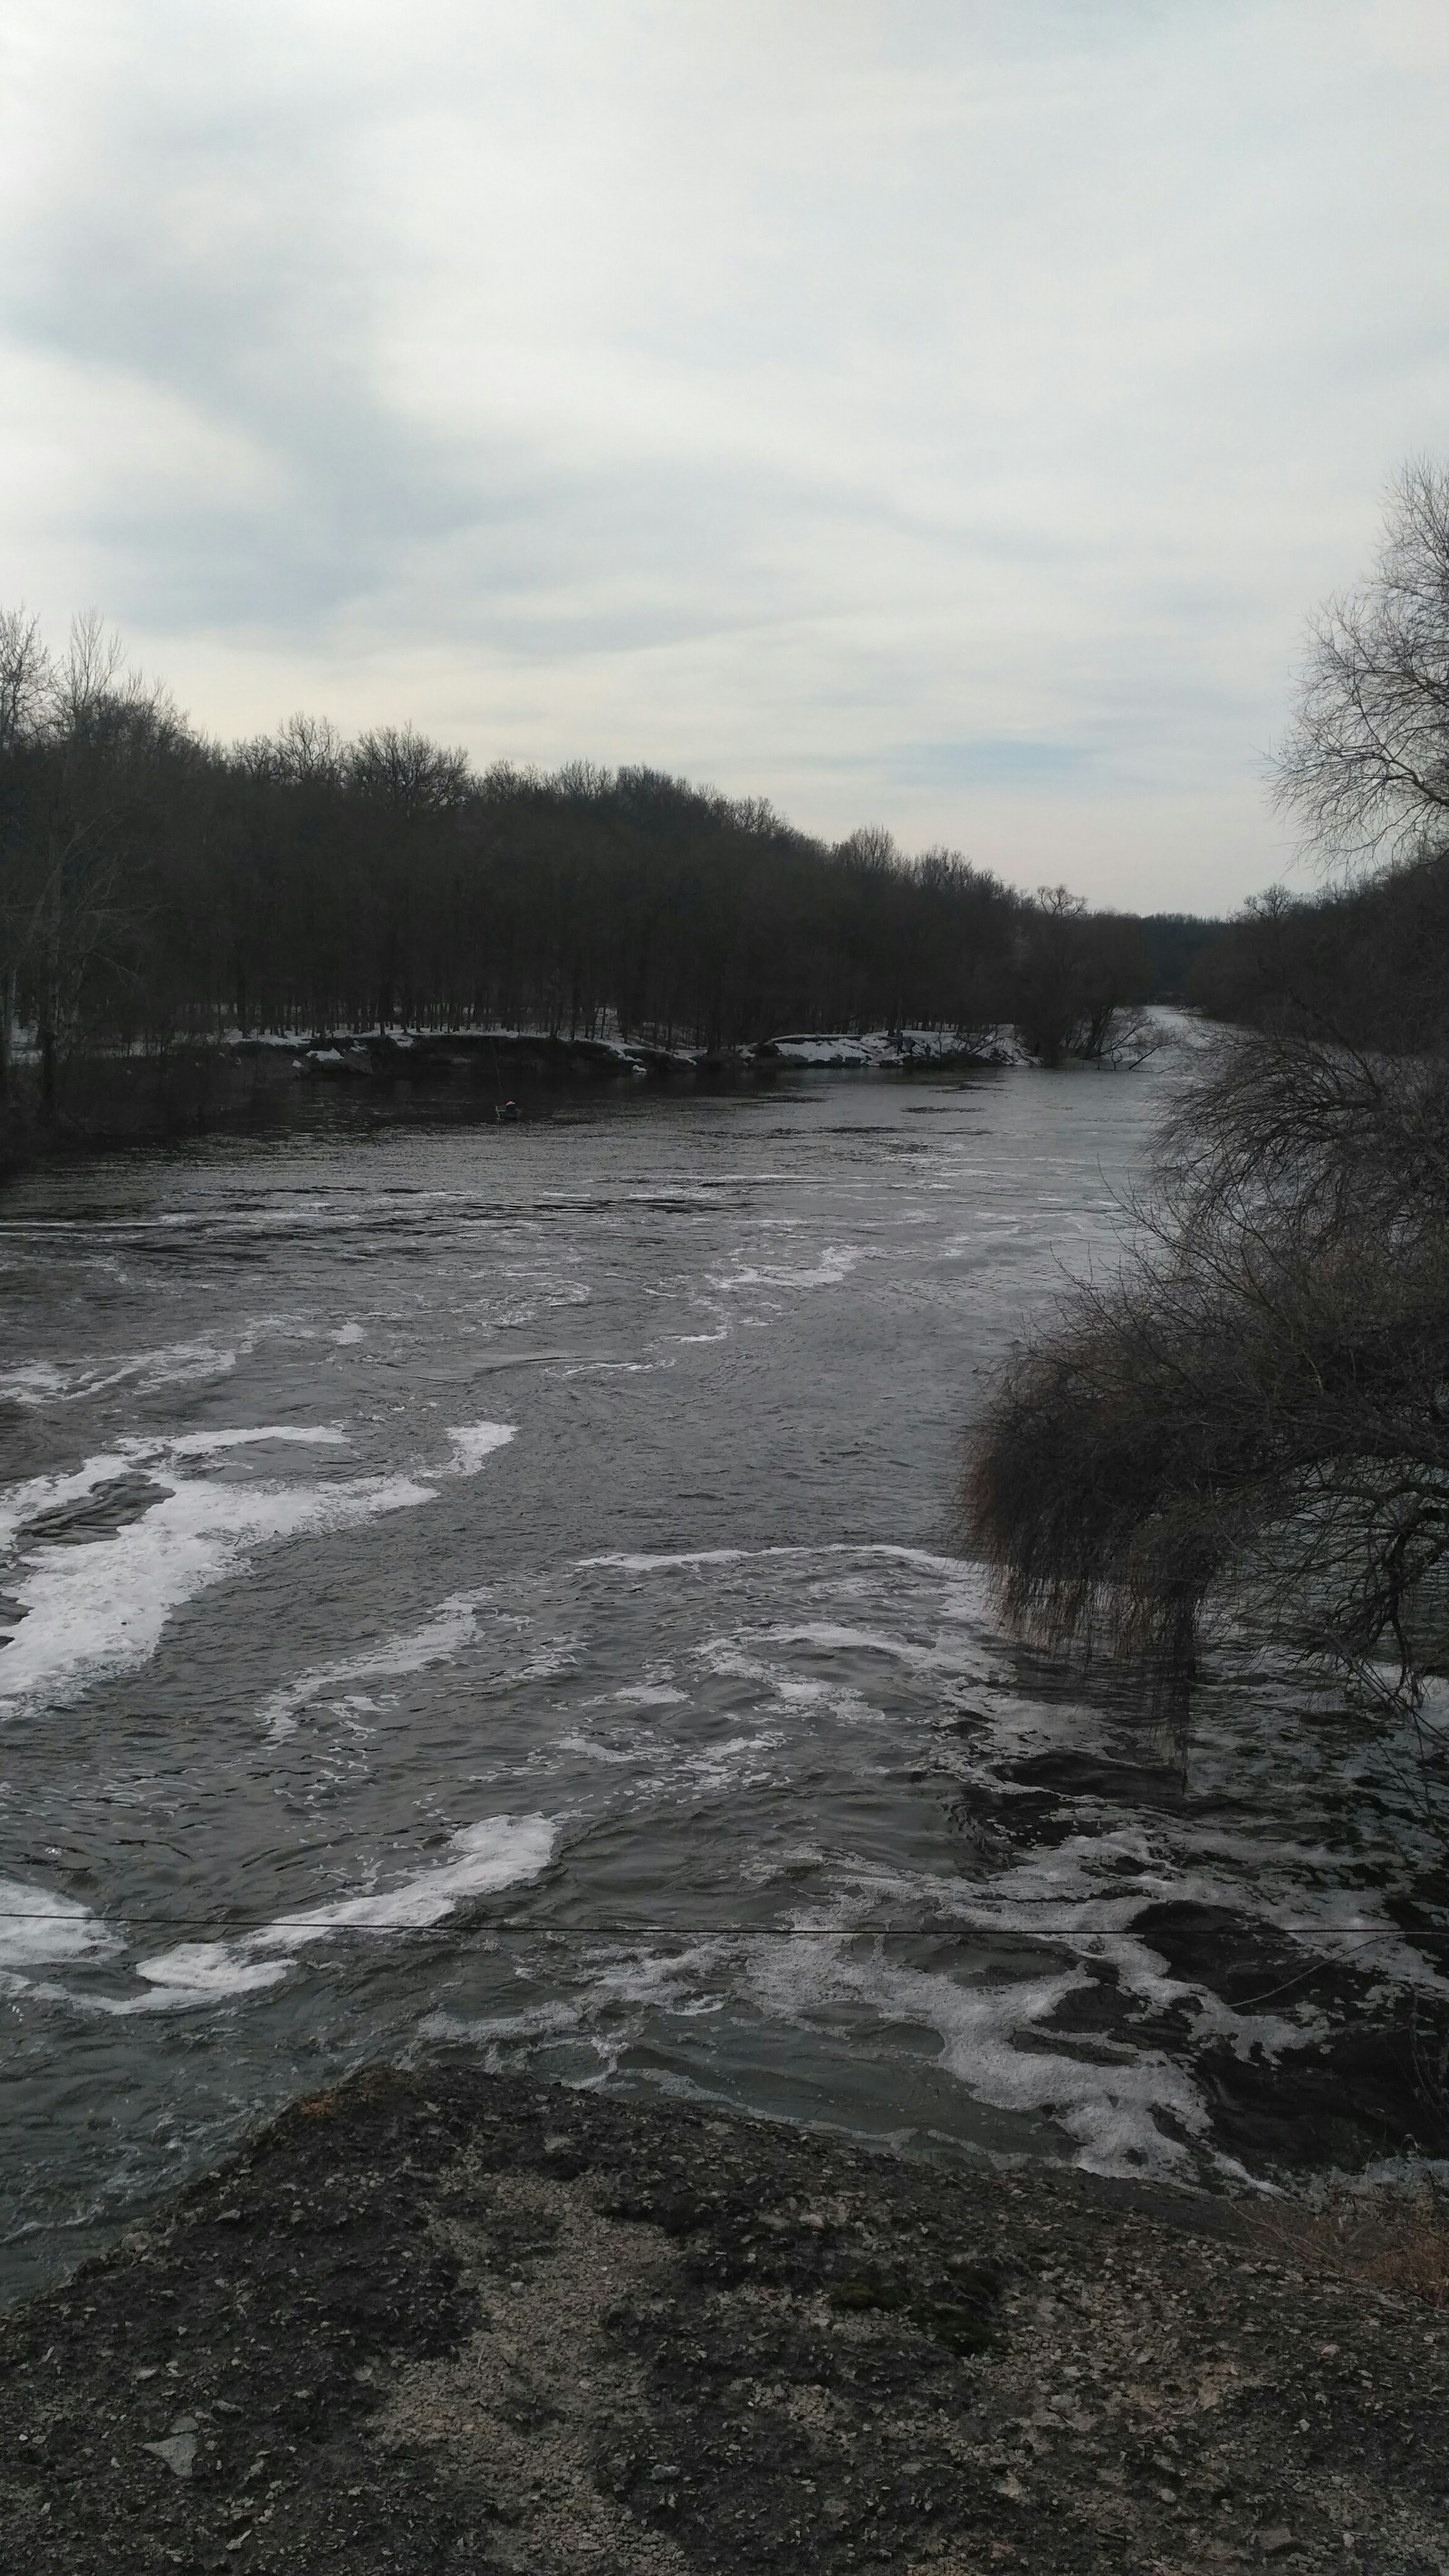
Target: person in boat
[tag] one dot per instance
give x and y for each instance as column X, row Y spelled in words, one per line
column 510, row 1111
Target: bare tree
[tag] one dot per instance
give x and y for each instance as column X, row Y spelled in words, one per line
column 1050, row 953
column 1075, row 973
column 27, row 704
column 1365, row 766
column 92, row 677
column 27, row 680
column 401, row 768
column 77, row 733
column 75, row 925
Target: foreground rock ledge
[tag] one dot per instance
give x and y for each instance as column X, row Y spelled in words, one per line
column 454, row 2322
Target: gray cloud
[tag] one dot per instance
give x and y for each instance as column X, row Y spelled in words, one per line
column 943, row 415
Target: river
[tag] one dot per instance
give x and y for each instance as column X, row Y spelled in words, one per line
column 490, row 1590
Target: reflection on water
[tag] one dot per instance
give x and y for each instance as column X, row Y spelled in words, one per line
column 491, row 1590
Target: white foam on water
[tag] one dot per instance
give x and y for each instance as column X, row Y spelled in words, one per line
column 548, row 1294
column 1093, row 1919
column 475, row 1443
column 961, row 1570
column 188, row 1363
column 175, row 1364
column 726, row 1661
column 625, row 1757
column 665, row 1564
column 207, row 1444
column 40, row 1928
column 614, row 1368
column 830, row 1639
column 183, row 1364
column 1108, row 2109
column 534, row 2021
column 1247, row 2032
column 554, row 1656
column 621, row 1977
column 833, row 1268
column 625, row 1983
column 497, row 1852
column 200, row 1972
column 36, row 1494
column 652, row 1695
column 99, row 1607
column 43, row 1990
column 727, row 1764
column 36, row 1382
column 347, row 1333
column 451, row 1626
column 21, row 1503
column 651, row 1976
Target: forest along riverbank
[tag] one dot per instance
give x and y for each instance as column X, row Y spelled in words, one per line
column 453, row 2321
column 485, row 1595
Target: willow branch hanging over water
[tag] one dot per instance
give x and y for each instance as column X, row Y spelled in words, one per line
column 1254, row 1415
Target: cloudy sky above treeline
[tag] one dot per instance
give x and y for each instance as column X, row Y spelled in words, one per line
column 934, row 413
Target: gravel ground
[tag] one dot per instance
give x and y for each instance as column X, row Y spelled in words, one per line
column 455, row 2322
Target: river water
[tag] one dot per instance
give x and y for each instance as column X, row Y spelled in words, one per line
column 490, row 1590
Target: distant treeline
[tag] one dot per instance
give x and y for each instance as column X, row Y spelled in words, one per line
column 1366, row 964
column 159, row 888
column 1175, row 941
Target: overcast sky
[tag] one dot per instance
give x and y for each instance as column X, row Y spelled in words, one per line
column 937, row 413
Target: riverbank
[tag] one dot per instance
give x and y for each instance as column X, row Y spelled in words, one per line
column 109, row 1102
column 452, row 2321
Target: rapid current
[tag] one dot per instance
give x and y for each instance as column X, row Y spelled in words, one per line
column 490, row 1589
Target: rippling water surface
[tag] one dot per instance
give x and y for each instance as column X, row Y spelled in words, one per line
column 489, row 1589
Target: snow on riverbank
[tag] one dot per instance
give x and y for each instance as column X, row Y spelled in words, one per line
column 894, row 1047
column 352, row 1050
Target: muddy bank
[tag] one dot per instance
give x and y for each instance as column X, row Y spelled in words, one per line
column 460, row 2323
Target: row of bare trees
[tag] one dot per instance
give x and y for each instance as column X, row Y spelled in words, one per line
column 157, row 888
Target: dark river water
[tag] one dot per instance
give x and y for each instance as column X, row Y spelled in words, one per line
column 490, row 1590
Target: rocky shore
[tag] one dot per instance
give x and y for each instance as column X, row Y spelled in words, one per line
column 456, row 2322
